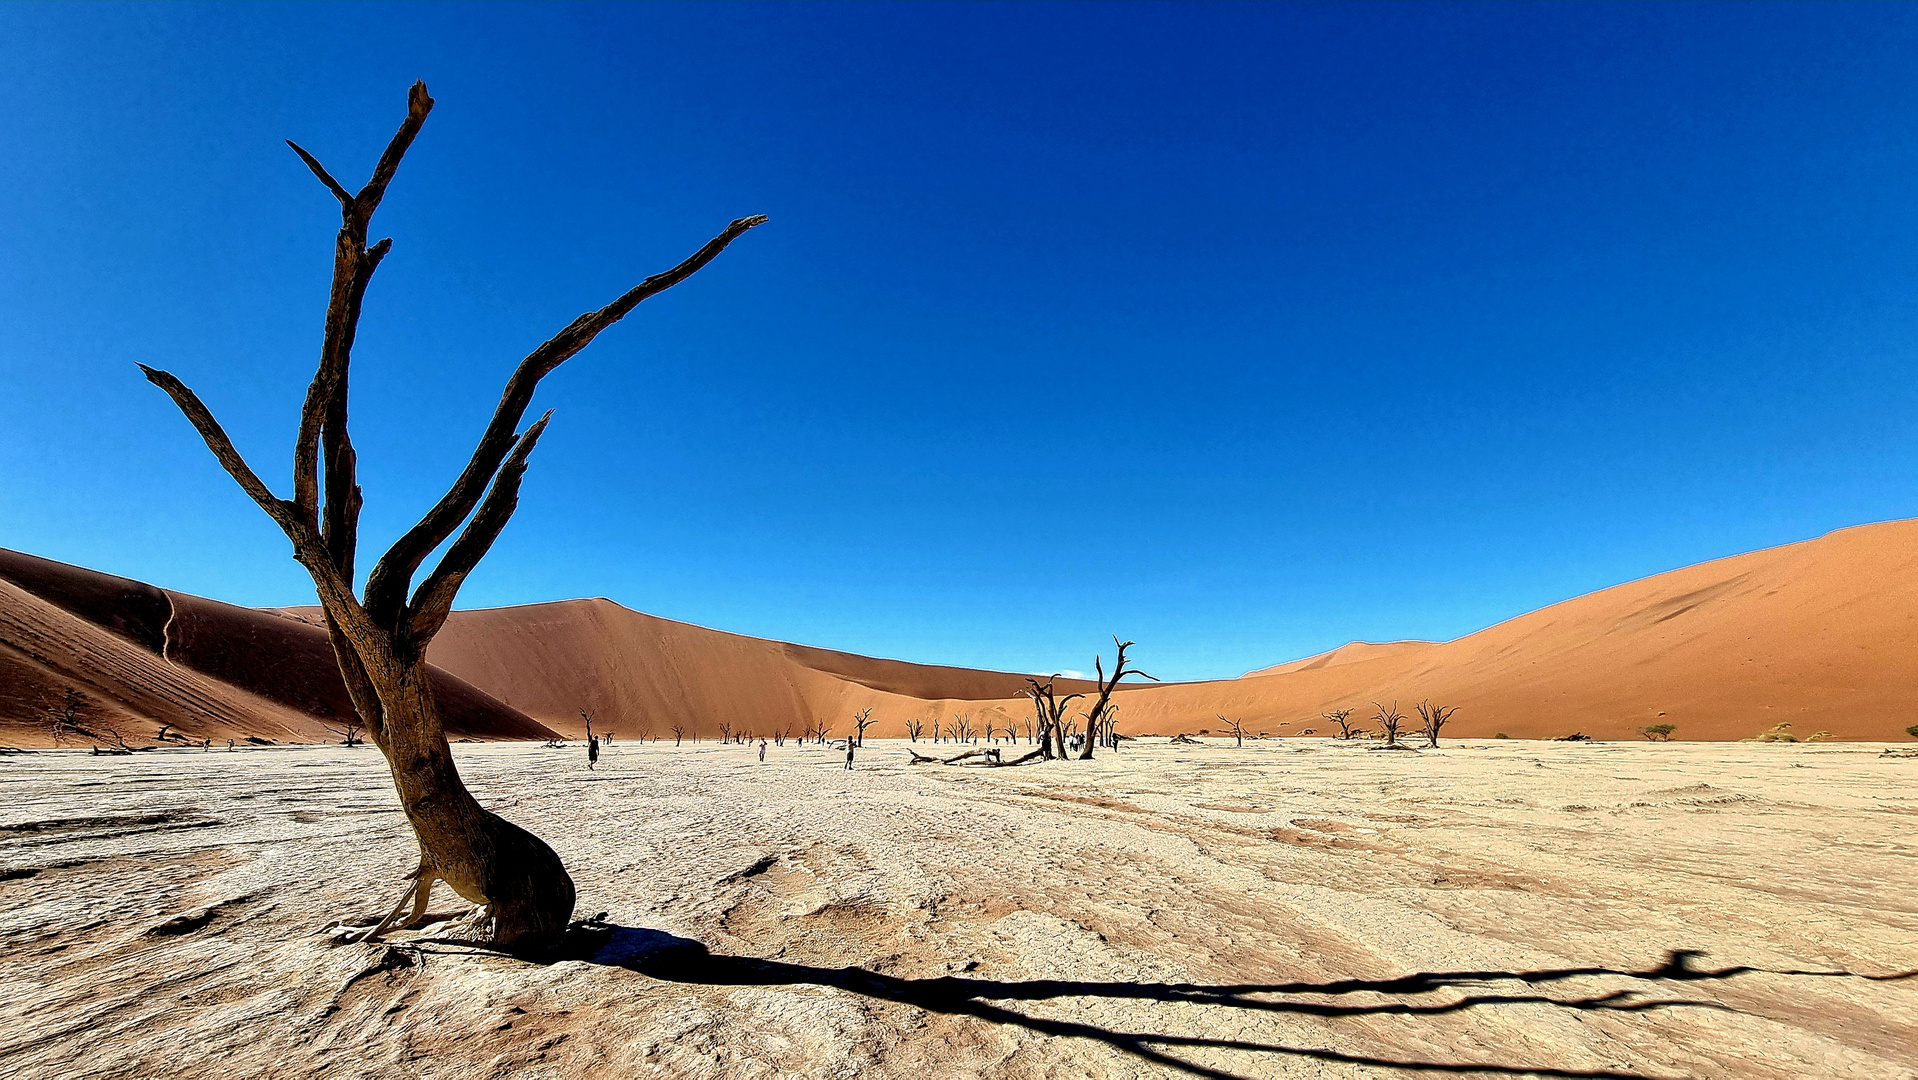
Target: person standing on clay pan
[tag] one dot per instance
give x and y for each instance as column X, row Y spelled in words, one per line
column 592, row 750
column 762, row 751
column 849, row 745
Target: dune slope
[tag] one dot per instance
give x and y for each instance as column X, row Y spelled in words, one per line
column 134, row 657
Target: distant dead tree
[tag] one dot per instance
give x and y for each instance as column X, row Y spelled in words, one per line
column 1106, row 686
column 1236, row 727
column 1658, row 732
column 862, row 720
column 1433, row 718
column 1389, row 721
column 350, row 731
column 962, row 727
column 1031, row 731
column 725, row 732
column 679, row 732
column 1342, row 718
column 63, row 719
column 820, row 730
column 380, row 639
column 915, row 727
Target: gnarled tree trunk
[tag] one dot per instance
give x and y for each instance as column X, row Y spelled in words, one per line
column 380, row 640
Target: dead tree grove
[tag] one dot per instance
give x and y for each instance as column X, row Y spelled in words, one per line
column 1049, row 710
column 519, row 886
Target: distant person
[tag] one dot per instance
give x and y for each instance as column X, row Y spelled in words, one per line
column 762, row 750
column 592, row 750
column 849, row 746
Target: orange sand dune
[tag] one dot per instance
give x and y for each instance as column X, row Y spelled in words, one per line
column 1351, row 652
column 1822, row 635
column 140, row 657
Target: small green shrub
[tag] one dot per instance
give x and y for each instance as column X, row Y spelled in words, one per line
column 1912, row 731
column 1658, row 732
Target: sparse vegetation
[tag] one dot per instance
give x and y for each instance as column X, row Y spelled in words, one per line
column 1658, row 732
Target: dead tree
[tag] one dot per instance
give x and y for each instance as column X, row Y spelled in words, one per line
column 820, row 730
column 862, row 720
column 1106, row 686
column 1342, row 718
column 915, row 727
column 962, row 727
column 380, row 639
column 63, row 720
column 1049, row 710
column 1236, row 727
column 351, row 731
column 679, row 732
column 1389, row 721
column 1434, row 717
column 725, row 732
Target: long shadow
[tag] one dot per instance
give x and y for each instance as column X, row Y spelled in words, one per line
column 675, row 959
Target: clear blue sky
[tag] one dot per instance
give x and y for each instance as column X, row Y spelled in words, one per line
column 1242, row 331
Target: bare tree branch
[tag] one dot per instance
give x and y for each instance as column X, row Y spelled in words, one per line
column 319, row 170
column 334, row 591
column 434, row 599
column 386, row 586
column 352, row 270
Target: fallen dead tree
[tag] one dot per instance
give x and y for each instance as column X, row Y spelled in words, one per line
column 982, row 757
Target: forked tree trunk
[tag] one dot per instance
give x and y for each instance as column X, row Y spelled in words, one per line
column 380, row 640
column 1106, row 686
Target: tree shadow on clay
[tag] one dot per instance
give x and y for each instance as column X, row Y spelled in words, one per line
column 675, row 959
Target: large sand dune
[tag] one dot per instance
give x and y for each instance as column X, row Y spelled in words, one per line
column 1822, row 635
column 137, row 657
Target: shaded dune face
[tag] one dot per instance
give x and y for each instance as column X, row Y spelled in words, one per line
column 140, row 657
column 1822, row 635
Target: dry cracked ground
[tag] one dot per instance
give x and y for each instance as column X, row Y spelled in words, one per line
column 1291, row 908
